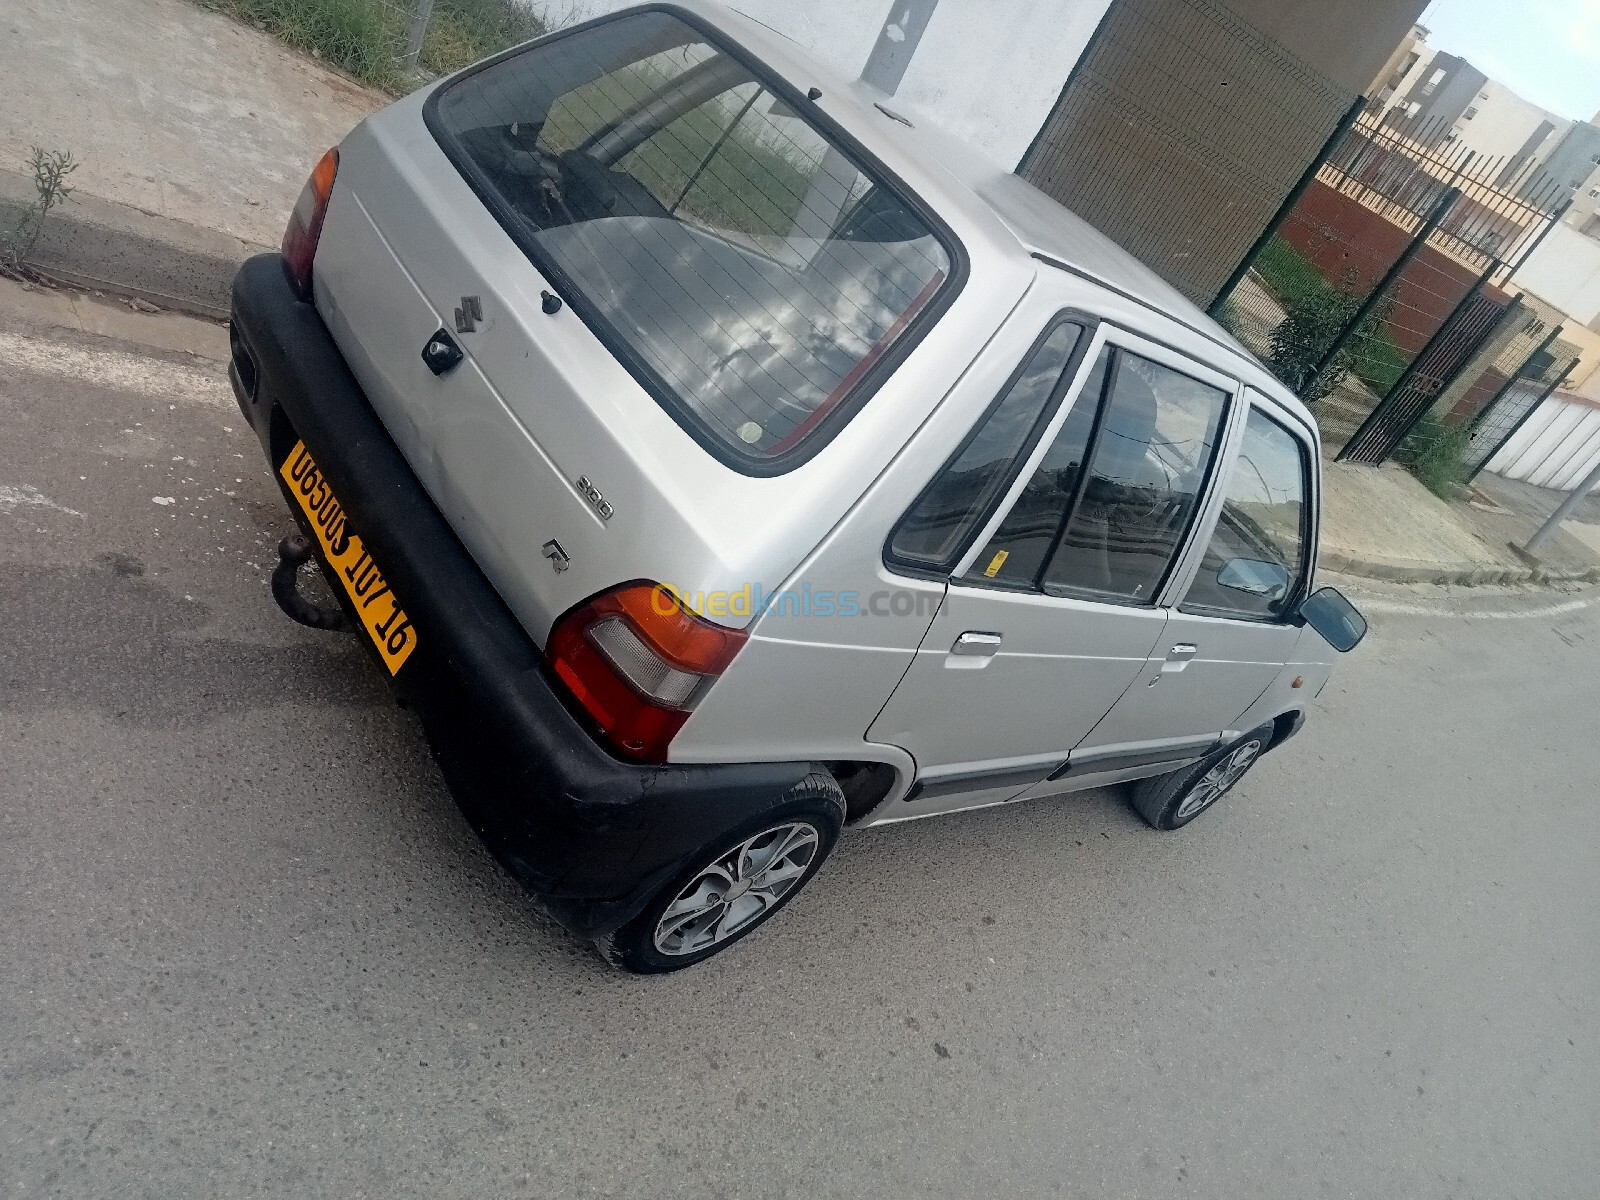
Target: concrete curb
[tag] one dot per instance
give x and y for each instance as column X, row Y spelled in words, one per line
column 1463, row 574
column 110, row 247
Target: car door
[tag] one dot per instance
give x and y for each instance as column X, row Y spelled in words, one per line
column 1017, row 667
column 1234, row 629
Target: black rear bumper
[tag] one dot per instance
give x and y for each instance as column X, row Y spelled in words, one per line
column 594, row 836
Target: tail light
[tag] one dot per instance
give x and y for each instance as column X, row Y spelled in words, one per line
column 638, row 662
column 305, row 223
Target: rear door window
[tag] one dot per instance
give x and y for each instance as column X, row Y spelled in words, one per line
column 753, row 271
column 960, row 498
column 1111, row 531
column 1152, row 451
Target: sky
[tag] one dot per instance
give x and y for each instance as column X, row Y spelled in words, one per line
column 1547, row 51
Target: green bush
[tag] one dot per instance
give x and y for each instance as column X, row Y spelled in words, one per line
column 1304, row 335
column 1310, row 325
column 1436, row 453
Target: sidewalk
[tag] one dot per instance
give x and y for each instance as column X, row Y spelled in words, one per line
column 195, row 133
column 1381, row 523
column 1509, row 510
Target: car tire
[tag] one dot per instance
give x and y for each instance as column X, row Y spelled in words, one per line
column 1171, row 801
column 691, row 917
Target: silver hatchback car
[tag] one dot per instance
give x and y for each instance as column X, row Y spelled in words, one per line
column 716, row 456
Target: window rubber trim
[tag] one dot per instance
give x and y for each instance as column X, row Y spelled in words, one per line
column 871, row 378
column 1088, row 324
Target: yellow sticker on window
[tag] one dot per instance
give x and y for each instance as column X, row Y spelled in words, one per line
column 995, row 563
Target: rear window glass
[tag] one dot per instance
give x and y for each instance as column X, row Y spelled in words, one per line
column 746, row 267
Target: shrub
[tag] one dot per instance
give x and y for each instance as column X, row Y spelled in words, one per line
column 1304, row 335
column 50, row 169
column 1309, row 329
column 1436, row 453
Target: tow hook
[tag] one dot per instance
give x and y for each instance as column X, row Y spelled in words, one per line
column 292, row 552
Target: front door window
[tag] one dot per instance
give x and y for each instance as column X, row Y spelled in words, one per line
column 1254, row 566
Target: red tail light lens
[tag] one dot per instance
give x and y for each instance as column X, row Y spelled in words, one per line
column 638, row 662
column 305, row 223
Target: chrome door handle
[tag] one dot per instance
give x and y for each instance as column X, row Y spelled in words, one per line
column 1178, row 657
column 973, row 644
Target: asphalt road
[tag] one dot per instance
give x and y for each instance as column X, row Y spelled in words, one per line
column 249, row 947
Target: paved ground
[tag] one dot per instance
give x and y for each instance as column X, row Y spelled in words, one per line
column 251, row 949
column 1510, row 510
column 171, row 109
column 1383, row 519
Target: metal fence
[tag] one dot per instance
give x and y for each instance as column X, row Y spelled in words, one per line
column 1526, row 387
column 1180, row 132
column 1376, row 284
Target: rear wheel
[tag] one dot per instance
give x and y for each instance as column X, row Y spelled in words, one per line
column 734, row 884
column 1172, row 801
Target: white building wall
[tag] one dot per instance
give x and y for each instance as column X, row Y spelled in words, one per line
column 1556, row 447
column 1564, row 270
column 989, row 71
column 1503, row 122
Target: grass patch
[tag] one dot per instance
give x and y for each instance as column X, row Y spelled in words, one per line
column 1288, row 274
column 1435, row 453
column 365, row 38
column 1379, row 363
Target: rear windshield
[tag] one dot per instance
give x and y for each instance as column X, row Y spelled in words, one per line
column 747, row 267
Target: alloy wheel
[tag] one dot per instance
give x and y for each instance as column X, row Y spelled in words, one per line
column 1218, row 779
column 738, row 888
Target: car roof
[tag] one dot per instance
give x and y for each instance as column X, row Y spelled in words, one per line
column 953, row 174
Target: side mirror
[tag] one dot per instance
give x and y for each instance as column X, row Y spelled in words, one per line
column 1254, row 576
column 1335, row 618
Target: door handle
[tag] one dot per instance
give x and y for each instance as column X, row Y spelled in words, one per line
column 1178, row 657
column 973, row 644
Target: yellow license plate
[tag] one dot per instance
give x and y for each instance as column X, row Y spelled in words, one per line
column 381, row 615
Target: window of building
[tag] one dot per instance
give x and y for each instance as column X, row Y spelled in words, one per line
column 1469, row 114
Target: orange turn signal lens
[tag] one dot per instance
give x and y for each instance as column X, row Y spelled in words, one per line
column 304, row 230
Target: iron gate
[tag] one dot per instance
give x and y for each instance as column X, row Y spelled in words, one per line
column 1415, row 391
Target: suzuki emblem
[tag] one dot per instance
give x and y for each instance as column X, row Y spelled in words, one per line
column 468, row 315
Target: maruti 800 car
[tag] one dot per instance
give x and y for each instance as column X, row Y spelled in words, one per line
column 716, row 456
